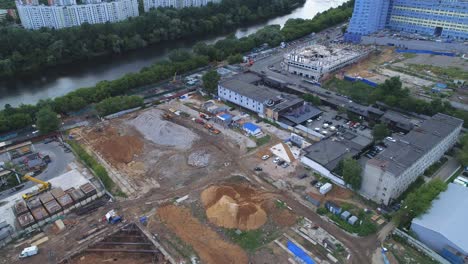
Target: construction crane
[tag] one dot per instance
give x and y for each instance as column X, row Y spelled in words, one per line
column 44, row 186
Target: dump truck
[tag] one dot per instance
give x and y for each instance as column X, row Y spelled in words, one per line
column 204, row 116
column 28, row 252
column 215, row 131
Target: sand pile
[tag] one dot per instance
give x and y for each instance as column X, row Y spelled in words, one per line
column 211, row 248
column 235, row 206
column 162, row 132
column 199, row 158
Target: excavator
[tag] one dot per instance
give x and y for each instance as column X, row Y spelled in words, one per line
column 44, row 186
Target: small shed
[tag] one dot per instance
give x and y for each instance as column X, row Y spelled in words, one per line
column 439, row 87
column 345, row 215
column 352, row 220
column 333, row 208
column 251, row 129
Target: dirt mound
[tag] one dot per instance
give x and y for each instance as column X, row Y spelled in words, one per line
column 112, row 145
column 235, row 206
column 207, row 243
column 120, row 148
column 161, row 132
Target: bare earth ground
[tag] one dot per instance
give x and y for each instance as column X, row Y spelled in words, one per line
column 211, row 248
column 162, row 175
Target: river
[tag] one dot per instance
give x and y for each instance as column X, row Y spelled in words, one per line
column 57, row 82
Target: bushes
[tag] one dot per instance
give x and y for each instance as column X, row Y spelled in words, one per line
column 419, row 201
column 91, row 163
column 322, row 211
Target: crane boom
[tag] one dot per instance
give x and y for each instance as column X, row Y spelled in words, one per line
column 44, row 186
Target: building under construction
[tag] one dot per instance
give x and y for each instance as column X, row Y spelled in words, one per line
column 315, row 61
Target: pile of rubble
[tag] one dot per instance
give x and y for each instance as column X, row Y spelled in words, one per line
column 199, row 158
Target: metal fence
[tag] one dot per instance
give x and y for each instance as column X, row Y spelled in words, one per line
column 420, row 246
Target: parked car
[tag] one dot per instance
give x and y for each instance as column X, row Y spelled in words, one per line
column 265, row 157
column 281, row 162
column 258, row 169
column 318, row 185
column 276, row 160
column 390, row 139
column 303, row 176
column 314, row 182
column 285, row 165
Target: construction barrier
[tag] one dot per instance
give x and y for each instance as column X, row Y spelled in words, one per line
column 416, row 51
column 368, row 82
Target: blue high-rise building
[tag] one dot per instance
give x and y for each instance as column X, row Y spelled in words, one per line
column 445, row 18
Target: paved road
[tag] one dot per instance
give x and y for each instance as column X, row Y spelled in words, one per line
column 448, row 169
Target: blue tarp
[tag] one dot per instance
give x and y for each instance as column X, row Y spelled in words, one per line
column 251, row 127
column 299, row 253
column 368, row 82
column 450, row 54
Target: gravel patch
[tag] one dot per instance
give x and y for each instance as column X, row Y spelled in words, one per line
column 162, row 132
column 199, row 158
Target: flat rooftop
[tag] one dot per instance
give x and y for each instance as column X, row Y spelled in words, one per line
column 410, row 147
column 257, row 93
column 331, row 151
column 324, row 56
column 301, row 114
column 448, row 215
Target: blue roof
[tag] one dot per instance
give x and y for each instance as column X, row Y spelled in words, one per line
column 441, row 85
column 251, row 127
column 299, row 253
column 226, row 116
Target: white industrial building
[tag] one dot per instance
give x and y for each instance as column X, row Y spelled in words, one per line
column 316, row 60
column 148, row 4
column 442, row 227
column 66, row 13
column 247, row 95
column 388, row 175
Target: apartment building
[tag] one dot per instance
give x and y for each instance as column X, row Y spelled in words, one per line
column 66, row 13
column 149, row 4
column 388, row 175
column 445, row 18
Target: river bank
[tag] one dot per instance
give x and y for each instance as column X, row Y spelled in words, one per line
column 60, row 81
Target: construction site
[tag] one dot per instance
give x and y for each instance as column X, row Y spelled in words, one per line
column 190, row 195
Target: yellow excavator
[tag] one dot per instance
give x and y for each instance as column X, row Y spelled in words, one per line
column 44, row 186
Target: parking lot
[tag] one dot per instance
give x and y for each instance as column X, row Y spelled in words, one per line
column 330, row 122
column 60, row 163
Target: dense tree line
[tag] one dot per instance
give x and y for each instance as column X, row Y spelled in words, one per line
column 419, row 201
column 118, row 103
column 393, row 94
column 24, row 51
column 12, row 118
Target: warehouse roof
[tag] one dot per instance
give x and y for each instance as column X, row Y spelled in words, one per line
column 409, row 148
column 329, row 153
column 257, row 93
column 448, row 215
column 301, row 114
